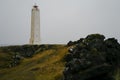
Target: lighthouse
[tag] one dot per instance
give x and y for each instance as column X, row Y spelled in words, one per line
column 35, row 26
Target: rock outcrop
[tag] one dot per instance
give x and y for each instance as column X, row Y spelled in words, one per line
column 92, row 58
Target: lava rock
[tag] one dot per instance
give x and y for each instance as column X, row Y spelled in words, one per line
column 92, row 58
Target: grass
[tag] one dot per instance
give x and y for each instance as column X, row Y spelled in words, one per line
column 46, row 65
column 117, row 74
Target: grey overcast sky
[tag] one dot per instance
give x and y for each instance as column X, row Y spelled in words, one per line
column 60, row 20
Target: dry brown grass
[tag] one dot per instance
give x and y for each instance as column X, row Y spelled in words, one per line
column 46, row 65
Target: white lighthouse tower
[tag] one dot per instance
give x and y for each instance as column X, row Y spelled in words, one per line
column 35, row 25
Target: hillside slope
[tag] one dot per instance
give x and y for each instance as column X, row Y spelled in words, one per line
column 89, row 58
column 45, row 65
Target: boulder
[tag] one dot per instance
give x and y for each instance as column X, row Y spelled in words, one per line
column 92, row 58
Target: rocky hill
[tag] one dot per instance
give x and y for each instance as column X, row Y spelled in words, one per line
column 93, row 58
column 89, row 58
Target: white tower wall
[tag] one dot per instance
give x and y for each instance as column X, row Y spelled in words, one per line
column 35, row 26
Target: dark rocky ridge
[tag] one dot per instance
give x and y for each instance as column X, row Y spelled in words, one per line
column 92, row 58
